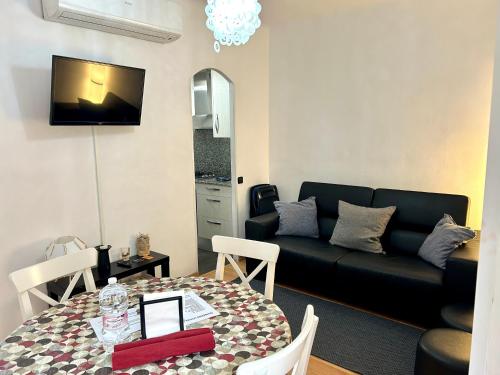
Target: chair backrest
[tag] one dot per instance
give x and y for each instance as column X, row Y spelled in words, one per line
column 27, row 279
column 229, row 246
column 294, row 357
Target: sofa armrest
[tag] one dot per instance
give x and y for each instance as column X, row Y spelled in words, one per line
column 263, row 227
column 461, row 273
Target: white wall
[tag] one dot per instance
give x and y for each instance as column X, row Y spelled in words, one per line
column 47, row 186
column 382, row 93
column 252, row 117
column 486, row 336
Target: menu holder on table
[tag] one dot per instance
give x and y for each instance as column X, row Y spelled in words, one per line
column 161, row 313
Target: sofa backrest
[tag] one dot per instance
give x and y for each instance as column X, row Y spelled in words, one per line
column 327, row 200
column 416, row 215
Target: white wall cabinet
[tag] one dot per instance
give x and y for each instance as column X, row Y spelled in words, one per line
column 221, row 106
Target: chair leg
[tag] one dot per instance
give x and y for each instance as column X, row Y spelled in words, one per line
column 88, row 279
column 221, row 263
column 25, row 304
column 269, row 291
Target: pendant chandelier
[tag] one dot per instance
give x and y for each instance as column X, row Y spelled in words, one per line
column 232, row 21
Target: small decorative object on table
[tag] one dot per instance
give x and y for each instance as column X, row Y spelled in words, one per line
column 125, row 251
column 103, row 263
column 125, row 262
column 142, row 244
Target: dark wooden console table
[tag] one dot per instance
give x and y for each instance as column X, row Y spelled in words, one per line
column 56, row 288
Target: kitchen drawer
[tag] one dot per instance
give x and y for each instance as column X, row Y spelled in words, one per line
column 207, row 227
column 214, row 206
column 216, row 190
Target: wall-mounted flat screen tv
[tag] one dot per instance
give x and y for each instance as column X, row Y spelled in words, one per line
column 94, row 93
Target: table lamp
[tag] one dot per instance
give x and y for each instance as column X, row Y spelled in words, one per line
column 63, row 246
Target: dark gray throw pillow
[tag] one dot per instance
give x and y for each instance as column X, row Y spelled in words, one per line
column 298, row 218
column 360, row 228
column 443, row 240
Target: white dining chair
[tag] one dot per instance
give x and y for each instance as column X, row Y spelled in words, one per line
column 227, row 247
column 27, row 279
column 294, row 357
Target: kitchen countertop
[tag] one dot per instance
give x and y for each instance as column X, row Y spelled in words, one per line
column 212, row 181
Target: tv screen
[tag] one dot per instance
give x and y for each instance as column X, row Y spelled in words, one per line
column 93, row 93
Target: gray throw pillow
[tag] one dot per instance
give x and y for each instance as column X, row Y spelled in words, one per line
column 443, row 240
column 298, row 218
column 360, row 228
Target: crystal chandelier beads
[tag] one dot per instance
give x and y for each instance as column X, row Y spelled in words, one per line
column 232, row 21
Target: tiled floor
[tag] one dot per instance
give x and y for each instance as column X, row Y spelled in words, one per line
column 207, row 261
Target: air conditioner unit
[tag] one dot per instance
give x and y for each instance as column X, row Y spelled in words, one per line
column 155, row 20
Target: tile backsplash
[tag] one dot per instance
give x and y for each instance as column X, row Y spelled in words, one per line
column 212, row 154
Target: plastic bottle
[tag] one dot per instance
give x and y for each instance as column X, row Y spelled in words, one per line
column 113, row 303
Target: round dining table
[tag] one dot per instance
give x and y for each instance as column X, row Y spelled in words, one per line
column 60, row 340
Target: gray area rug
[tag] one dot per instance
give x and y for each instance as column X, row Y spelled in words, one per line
column 353, row 339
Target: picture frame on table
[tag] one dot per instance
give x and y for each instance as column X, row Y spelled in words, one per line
column 161, row 316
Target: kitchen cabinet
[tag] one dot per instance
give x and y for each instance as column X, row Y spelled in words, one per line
column 211, row 103
column 201, row 100
column 221, row 105
column 214, row 210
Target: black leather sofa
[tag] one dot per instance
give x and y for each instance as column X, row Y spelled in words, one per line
column 399, row 283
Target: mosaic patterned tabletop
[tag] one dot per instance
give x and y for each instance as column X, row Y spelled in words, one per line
column 61, row 341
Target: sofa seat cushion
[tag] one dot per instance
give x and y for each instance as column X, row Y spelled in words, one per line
column 309, row 249
column 306, row 263
column 394, row 268
column 405, row 287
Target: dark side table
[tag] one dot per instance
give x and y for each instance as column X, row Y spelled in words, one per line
column 57, row 288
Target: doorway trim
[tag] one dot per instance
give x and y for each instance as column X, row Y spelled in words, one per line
column 234, row 178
